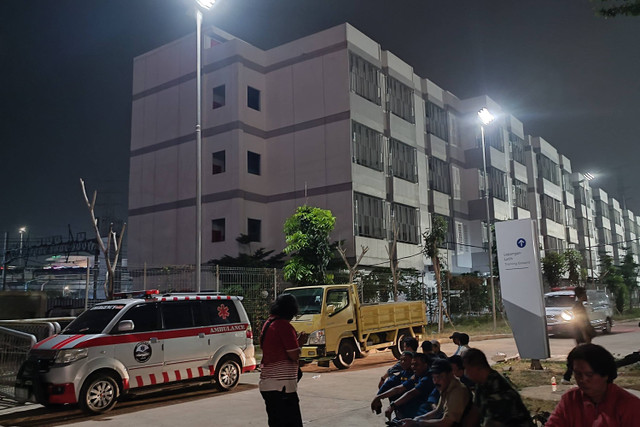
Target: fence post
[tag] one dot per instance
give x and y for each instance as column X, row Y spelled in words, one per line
column 217, row 278
column 144, row 277
column 86, row 288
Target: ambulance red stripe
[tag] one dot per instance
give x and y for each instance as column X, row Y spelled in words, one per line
column 165, row 377
column 67, row 341
column 44, row 341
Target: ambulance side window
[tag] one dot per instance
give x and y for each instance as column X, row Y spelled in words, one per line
column 221, row 312
column 177, row 315
column 145, row 318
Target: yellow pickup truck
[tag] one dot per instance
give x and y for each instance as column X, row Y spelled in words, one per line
column 340, row 328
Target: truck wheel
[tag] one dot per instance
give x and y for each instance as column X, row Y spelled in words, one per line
column 227, row 374
column 346, row 355
column 607, row 326
column 98, row 394
column 396, row 349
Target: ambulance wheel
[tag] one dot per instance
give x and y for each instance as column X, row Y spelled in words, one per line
column 346, row 355
column 98, row 394
column 396, row 349
column 227, row 374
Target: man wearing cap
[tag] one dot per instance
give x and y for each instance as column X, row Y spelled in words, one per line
column 454, row 400
column 462, row 341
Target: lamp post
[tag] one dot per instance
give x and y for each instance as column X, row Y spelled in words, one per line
column 202, row 5
column 587, row 202
column 486, row 118
column 22, row 230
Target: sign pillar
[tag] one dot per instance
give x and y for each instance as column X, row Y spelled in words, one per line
column 521, row 284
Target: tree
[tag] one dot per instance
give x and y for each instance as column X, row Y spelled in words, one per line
column 554, row 266
column 112, row 241
column 629, row 272
column 611, row 277
column 261, row 258
column 573, row 260
column 307, row 237
column 619, row 8
column 353, row 269
column 433, row 239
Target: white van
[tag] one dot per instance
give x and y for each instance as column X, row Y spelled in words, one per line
column 558, row 308
column 134, row 344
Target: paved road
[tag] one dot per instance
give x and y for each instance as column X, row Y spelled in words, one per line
column 328, row 397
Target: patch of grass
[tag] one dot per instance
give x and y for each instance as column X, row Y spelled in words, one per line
column 634, row 313
column 480, row 325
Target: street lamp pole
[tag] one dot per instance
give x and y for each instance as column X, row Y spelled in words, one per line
column 202, row 5
column 22, row 230
column 587, row 202
column 486, row 118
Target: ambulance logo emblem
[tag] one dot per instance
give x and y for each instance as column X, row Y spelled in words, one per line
column 142, row 352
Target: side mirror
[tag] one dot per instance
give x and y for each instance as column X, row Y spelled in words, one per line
column 125, row 326
column 331, row 309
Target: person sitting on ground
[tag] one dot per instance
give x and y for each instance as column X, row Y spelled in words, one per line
column 406, row 360
column 411, row 394
column 427, row 347
column 454, row 400
column 407, row 343
column 436, row 349
column 496, row 402
column 458, row 371
column 596, row 401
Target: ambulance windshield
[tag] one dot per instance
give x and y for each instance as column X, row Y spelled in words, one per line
column 95, row 320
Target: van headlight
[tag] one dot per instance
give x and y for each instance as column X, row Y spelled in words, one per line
column 316, row 337
column 71, row 355
column 567, row 315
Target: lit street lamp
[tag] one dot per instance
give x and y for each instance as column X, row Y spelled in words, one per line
column 486, row 118
column 203, row 5
column 587, row 202
column 21, row 230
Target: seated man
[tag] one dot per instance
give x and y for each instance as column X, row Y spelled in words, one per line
column 427, row 347
column 436, row 349
column 411, row 394
column 407, row 343
column 458, row 371
column 596, row 401
column 454, row 400
column 406, row 360
column 496, row 403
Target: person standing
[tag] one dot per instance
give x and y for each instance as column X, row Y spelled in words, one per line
column 582, row 329
column 279, row 368
column 596, row 401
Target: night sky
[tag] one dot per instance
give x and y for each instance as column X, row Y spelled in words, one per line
column 65, row 82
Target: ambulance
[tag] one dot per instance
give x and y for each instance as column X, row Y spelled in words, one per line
column 143, row 342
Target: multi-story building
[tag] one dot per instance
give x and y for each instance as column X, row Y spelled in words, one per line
column 333, row 120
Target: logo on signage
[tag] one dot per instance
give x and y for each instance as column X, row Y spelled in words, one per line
column 142, row 352
column 521, row 243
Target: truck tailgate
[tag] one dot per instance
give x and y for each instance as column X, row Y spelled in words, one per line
column 380, row 317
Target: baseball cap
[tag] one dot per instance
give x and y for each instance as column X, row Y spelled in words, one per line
column 455, row 334
column 439, row 366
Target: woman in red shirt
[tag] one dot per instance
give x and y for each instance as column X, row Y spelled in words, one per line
column 279, row 368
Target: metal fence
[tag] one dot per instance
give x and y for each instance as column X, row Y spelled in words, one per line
column 14, row 347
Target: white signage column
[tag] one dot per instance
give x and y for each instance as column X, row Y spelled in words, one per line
column 521, row 286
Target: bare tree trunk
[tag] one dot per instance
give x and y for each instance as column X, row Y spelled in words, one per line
column 393, row 261
column 111, row 239
column 352, row 269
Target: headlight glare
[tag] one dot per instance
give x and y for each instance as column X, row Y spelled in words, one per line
column 567, row 315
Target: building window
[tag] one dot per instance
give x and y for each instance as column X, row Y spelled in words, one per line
column 254, row 229
column 493, row 137
column 570, row 217
column 253, row 98
column 553, row 209
column 602, row 209
column 497, row 184
column 403, row 160
column 616, row 217
column 217, row 230
column 369, row 215
column 520, row 194
column 253, row 163
column 439, row 178
column 454, row 131
column 364, row 78
column 437, row 121
column 219, row 97
column 548, row 169
column 456, row 182
column 553, row 244
column 566, row 182
column 406, row 220
column 367, row 146
column 517, row 148
column 462, row 237
column 400, row 99
column 219, row 162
